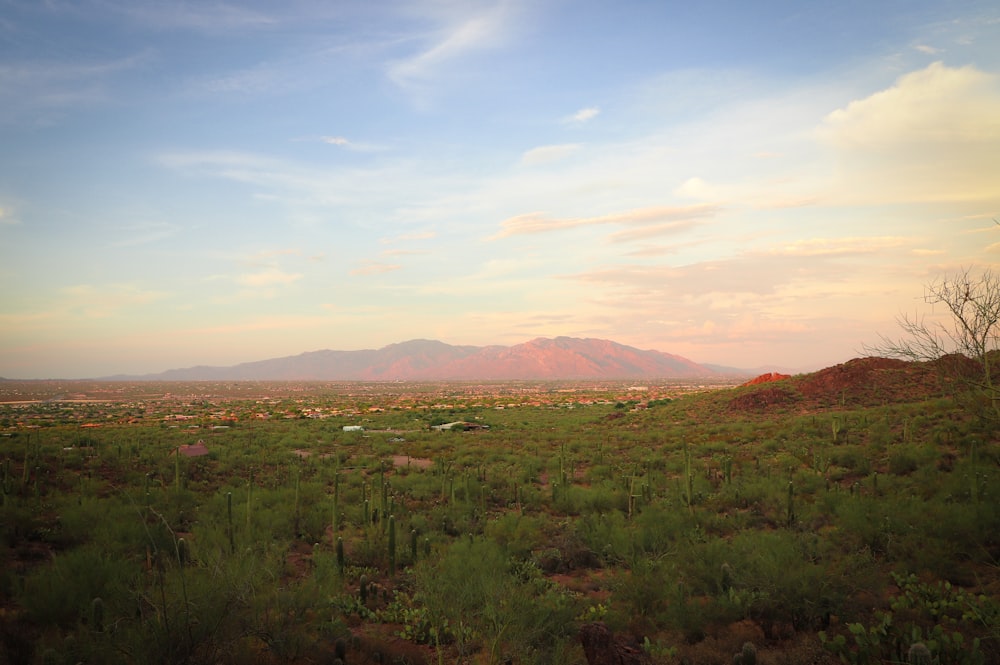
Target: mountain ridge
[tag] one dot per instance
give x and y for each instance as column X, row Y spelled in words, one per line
column 433, row 360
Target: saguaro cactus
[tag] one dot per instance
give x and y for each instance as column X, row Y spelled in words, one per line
column 97, row 614
column 392, row 544
column 791, row 503
column 919, row 654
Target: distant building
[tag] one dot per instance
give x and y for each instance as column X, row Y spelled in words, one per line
column 194, row 450
column 353, row 428
column 460, row 424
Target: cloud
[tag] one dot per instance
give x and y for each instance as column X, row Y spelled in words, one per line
column 33, row 86
column 374, row 268
column 409, row 237
column 929, row 50
column 268, row 278
column 7, row 218
column 814, row 247
column 547, row 154
column 536, row 222
column 933, row 136
column 652, row 231
column 348, row 144
column 403, row 252
column 107, row 300
column 696, row 188
column 208, row 17
column 583, row 115
column 144, row 233
column 450, row 44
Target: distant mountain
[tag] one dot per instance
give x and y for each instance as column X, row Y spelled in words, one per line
column 424, row 360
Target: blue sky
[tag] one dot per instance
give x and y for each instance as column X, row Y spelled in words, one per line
column 750, row 184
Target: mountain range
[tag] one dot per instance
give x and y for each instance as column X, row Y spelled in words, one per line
column 431, row 360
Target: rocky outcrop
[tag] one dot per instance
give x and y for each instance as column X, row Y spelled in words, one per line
column 601, row 647
column 769, row 377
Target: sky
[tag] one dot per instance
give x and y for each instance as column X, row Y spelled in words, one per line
column 749, row 184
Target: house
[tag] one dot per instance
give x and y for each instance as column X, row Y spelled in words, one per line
column 460, row 424
column 353, row 428
column 194, row 450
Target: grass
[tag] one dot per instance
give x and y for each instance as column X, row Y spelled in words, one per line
column 673, row 524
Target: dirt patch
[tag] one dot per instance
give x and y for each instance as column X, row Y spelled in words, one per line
column 760, row 400
column 403, row 461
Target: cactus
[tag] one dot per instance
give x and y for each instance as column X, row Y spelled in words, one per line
column 97, row 614
column 413, row 545
column 229, row 515
column 295, row 529
column 919, row 654
column 726, row 582
column 791, row 503
column 340, row 649
column 363, row 589
column 688, row 478
column 249, row 499
column 177, row 468
column 392, row 544
column 340, row 556
column 747, row 655
column 183, row 554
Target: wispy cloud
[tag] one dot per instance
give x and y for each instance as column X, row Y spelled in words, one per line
column 653, row 231
column 403, row 252
column 582, row 116
column 209, row 17
column 409, row 237
column 103, row 301
column 449, row 44
column 348, row 144
column 39, row 85
column 7, row 217
column 144, row 233
column 537, row 222
column 547, row 154
column 837, row 246
column 374, row 268
column 268, row 278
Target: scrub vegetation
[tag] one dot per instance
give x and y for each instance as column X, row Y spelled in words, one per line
column 845, row 516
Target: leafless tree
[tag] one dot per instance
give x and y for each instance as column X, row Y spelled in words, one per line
column 971, row 332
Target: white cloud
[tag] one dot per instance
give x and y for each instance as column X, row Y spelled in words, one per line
column 104, row 301
column 268, row 278
column 7, row 218
column 209, row 17
column 547, row 154
column 537, row 222
column 409, row 237
column 375, row 268
column 583, row 115
column 933, row 136
column 458, row 38
column 144, row 233
column 836, row 246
